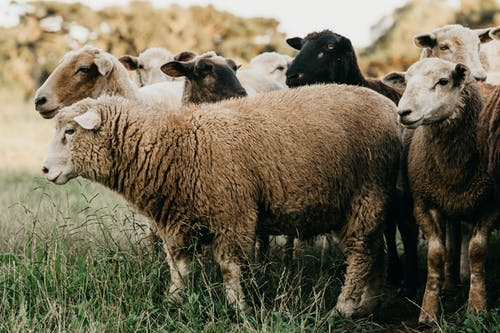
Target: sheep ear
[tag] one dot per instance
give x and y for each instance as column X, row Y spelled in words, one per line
column 460, row 74
column 103, row 63
column 427, row 40
column 395, row 80
column 295, row 42
column 426, row 53
column 185, row 56
column 177, row 68
column 495, row 33
column 89, row 120
column 130, row 62
column 232, row 64
column 483, row 34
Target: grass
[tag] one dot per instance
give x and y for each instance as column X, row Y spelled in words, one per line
column 74, row 258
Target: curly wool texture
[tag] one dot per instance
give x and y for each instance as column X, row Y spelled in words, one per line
column 300, row 161
column 445, row 164
column 489, row 133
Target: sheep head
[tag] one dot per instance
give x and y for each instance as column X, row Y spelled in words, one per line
column 80, row 74
column 457, row 44
column 433, row 90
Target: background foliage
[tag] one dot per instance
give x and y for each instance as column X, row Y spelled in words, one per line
column 47, row 30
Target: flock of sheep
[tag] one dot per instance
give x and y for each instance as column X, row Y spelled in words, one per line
column 313, row 148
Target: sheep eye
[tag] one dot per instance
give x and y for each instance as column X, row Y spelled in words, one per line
column 330, row 46
column 444, row 47
column 443, row 82
column 69, row 131
column 280, row 68
column 140, row 66
column 84, row 70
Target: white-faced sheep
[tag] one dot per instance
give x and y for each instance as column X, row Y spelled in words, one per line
column 490, row 53
column 458, row 44
column 455, row 43
column 446, row 170
column 147, row 66
column 273, row 164
column 272, row 64
column 91, row 72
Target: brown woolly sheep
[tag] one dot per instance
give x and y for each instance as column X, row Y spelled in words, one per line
column 327, row 57
column 489, row 134
column 458, row 44
column 446, row 171
column 223, row 172
column 92, row 72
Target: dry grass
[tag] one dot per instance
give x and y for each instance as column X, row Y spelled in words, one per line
column 24, row 135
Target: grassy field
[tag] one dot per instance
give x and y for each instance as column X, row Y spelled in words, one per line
column 74, row 258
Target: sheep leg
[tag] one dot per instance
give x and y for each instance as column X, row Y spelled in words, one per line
column 292, row 245
column 261, row 248
column 394, row 269
column 435, row 263
column 464, row 253
column 372, row 292
column 409, row 235
column 229, row 252
column 478, row 247
column 362, row 243
column 452, row 257
column 178, row 262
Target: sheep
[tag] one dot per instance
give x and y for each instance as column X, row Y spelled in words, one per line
column 273, row 65
column 327, row 57
column 455, row 43
column 278, row 163
column 91, row 72
column 490, row 57
column 446, row 171
column 489, row 135
column 147, row 66
column 208, row 78
column 458, row 44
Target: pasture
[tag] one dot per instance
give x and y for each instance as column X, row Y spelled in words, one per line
column 75, row 258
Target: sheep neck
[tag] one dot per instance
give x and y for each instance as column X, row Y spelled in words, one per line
column 145, row 166
column 453, row 142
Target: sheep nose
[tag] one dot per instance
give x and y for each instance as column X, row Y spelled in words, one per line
column 241, row 92
column 45, row 170
column 292, row 79
column 480, row 77
column 404, row 112
column 39, row 101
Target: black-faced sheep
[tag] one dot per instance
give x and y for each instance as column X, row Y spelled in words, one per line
column 446, row 171
column 209, row 78
column 327, row 57
column 226, row 171
column 91, row 72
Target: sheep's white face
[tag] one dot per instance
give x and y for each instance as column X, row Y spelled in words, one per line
column 147, row 66
column 457, row 44
column 58, row 165
column 491, row 52
column 433, row 88
column 273, row 64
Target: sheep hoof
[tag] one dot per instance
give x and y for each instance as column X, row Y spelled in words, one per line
column 344, row 308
